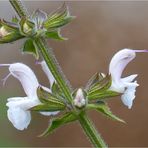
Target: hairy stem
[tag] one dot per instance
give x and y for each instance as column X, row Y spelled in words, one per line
column 90, row 131
column 19, row 7
column 54, row 68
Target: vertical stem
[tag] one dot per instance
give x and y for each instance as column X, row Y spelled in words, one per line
column 19, row 7
column 91, row 132
column 53, row 66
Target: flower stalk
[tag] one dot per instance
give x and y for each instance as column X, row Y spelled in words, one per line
column 90, row 131
column 19, row 8
column 51, row 63
column 50, row 60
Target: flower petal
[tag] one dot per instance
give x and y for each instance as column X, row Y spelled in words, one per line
column 49, row 113
column 19, row 117
column 129, row 95
column 119, row 62
column 22, row 102
column 129, row 78
column 48, row 73
column 26, row 76
column 18, row 113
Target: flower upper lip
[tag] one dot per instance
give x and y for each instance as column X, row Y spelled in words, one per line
column 119, row 62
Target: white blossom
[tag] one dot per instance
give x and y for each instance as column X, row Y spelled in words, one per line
column 126, row 86
column 18, row 107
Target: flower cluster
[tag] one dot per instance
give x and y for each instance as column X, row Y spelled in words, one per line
column 47, row 102
column 59, row 101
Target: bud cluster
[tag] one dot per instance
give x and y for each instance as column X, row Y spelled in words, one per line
column 37, row 25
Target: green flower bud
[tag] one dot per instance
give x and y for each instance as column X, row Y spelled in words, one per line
column 3, row 32
column 27, row 27
column 9, row 32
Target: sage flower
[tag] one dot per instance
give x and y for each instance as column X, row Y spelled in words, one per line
column 18, row 107
column 126, row 86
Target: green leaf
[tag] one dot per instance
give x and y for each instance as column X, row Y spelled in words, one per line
column 48, row 107
column 9, row 32
column 58, row 122
column 27, row 27
column 105, row 110
column 15, row 20
column 49, row 99
column 54, row 35
column 30, row 48
column 102, row 94
column 58, row 19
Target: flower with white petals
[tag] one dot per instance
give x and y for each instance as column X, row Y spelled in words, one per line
column 18, row 107
column 126, row 85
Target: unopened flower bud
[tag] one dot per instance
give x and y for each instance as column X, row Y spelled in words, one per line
column 27, row 27
column 3, row 32
column 79, row 100
column 9, row 32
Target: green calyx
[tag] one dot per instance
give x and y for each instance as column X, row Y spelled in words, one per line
column 49, row 101
column 58, row 19
column 9, row 32
column 27, row 27
column 98, row 87
column 39, row 24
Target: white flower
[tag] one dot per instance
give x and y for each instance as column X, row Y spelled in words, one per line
column 18, row 112
column 126, row 85
column 79, row 99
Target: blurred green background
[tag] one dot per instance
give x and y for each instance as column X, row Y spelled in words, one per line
column 100, row 29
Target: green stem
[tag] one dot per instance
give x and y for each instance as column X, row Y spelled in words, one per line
column 53, row 66
column 51, row 62
column 91, row 132
column 19, row 7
